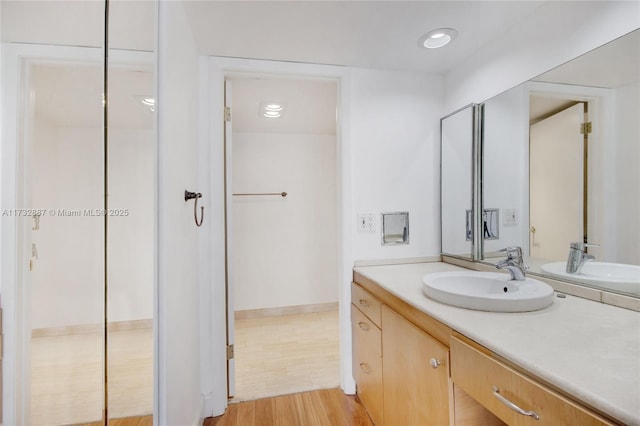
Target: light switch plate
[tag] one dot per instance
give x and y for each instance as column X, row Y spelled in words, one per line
column 510, row 217
column 366, row 222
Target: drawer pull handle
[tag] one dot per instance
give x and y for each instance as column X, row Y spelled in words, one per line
column 434, row 363
column 514, row 407
column 364, row 326
column 363, row 303
column 365, row 368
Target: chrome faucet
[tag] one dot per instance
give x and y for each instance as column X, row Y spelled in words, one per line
column 513, row 263
column 578, row 256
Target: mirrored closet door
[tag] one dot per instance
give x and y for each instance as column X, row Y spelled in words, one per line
column 78, row 115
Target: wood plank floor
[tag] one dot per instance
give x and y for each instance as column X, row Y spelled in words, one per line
column 326, row 407
column 125, row 421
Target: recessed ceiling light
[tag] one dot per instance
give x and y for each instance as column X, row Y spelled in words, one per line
column 437, row 38
column 147, row 101
column 271, row 109
column 272, row 114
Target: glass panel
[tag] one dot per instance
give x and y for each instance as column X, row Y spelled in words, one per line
column 67, row 261
column 54, row 108
column 599, row 90
column 505, row 178
column 456, row 167
column 130, row 212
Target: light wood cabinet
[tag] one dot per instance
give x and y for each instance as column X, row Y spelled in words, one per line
column 392, row 365
column 496, row 386
column 394, row 346
column 367, row 363
column 367, row 351
column 416, row 374
column 366, row 303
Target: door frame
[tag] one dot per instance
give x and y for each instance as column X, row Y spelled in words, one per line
column 14, row 235
column 218, row 69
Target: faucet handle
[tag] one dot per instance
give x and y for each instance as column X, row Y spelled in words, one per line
column 581, row 246
column 512, row 252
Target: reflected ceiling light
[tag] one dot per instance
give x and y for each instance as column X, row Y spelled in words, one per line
column 437, row 38
column 147, row 101
column 271, row 109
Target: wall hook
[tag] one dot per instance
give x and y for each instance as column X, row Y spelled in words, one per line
column 195, row 195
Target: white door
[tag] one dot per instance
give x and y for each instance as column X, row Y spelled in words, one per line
column 556, row 183
column 231, row 372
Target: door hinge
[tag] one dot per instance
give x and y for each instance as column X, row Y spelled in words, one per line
column 230, row 352
column 227, row 113
column 31, row 265
column 585, row 128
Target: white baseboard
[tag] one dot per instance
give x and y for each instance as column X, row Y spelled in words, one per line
column 92, row 328
column 286, row 310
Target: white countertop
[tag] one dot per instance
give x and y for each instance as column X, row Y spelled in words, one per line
column 588, row 349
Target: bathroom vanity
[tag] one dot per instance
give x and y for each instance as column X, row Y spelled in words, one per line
column 420, row 362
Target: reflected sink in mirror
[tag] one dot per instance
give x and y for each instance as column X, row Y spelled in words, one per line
column 487, row 291
column 614, row 276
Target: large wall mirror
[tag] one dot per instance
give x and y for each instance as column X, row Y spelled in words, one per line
column 78, row 159
column 459, row 139
column 560, row 164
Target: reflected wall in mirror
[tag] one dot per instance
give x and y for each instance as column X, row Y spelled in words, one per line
column 561, row 156
column 457, row 140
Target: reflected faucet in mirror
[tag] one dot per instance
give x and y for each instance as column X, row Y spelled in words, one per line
column 578, row 256
column 514, row 263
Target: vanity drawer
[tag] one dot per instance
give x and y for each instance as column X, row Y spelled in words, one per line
column 488, row 380
column 367, row 363
column 368, row 304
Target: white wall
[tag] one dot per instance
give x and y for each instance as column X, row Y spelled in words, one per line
column 627, row 173
column 556, row 33
column 179, row 335
column 395, row 151
column 286, row 248
column 506, row 159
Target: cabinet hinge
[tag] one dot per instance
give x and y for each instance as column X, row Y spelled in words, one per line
column 585, row 128
column 227, row 113
column 229, row 352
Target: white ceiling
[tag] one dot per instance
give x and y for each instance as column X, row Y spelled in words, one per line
column 310, row 105
column 371, row 34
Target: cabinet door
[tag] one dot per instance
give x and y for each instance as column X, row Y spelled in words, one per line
column 415, row 392
column 367, row 363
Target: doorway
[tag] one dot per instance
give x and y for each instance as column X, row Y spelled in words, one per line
column 559, row 146
column 282, row 235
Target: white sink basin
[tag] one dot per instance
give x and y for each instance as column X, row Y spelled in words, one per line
column 616, row 276
column 487, row 291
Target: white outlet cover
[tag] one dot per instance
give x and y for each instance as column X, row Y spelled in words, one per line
column 366, row 222
column 510, row 217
